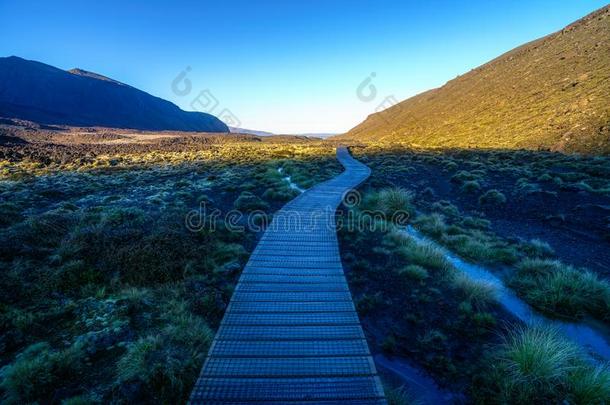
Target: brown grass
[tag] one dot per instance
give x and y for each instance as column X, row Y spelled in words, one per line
column 552, row 93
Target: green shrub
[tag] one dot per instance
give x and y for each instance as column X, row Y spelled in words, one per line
column 389, row 344
column 167, row 363
column 538, row 365
column 393, row 200
column 536, row 362
column 367, row 302
column 476, row 246
column 559, row 289
column 428, row 192
column 479, row 294
column 399, row 396
column 414, row 272
column 446, row 208
column 74, row 274
column 546, row 177
column 280, row 194
column 433, row 225
column 81, row 400
column 524, row 186
column 476, row 223
column 424, row 254
column 132, row 217
column 470, row 187
column 10, row 213
column 492, row 197
column 432, row 339
column 450, row 166
column 39, row 371
column 537, row 248
column 589, row 385
column 248, row 202
column 464, row 176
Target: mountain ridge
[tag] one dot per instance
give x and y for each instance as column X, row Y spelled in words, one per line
column 42, row 93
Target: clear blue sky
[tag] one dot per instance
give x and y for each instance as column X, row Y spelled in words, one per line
column 284, row 66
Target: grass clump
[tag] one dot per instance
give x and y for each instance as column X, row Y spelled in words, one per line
column 395, row 200
column 475, row 245
column 38, row 371
column 589, row 385
column 168, row 362
column 537, row 248
column 414, row 272
column 538, row 365
column 467, row 236
column 559, row 289
column 463, row 176
column 470, row 187
column 399, row 396
column 433, row 225
column 248, row 202
column 479, row 294
column 424, row 254
column 492, row 197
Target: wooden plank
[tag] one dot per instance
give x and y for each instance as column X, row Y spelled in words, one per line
column 291, row 333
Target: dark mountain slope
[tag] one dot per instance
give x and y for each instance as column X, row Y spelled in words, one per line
column 553, row 93
column 42, row 93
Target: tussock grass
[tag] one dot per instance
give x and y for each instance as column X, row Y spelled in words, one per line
column 421, row 253
column 399, row 396
column 433, row 225
column 414, row 272
column 167, row 363
column 101, row 265
column 248, row 202
column 463, row 176
column 393, row 200
column 589, row 385
column 537, row 248
column 492, row 197
column 467, row 236
column 470, row 187
column 446, row 208
column 538, row 365
column 536, row 361
column 475, row 245
column 37, row 370
column 559, row 289
column 479, row 294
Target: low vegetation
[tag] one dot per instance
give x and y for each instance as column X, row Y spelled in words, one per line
column 415, row 304
column 106, row 294
column 559, row 289
column 538, row 365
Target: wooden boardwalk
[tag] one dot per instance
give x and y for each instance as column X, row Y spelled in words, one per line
column 291, row 333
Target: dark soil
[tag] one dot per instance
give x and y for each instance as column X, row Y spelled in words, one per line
column 575, row 222
column 418, row 320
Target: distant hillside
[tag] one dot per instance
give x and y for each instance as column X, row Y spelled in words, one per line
column 322, row 135
column 37, row 92
column 553, row 93
column 236, row 130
